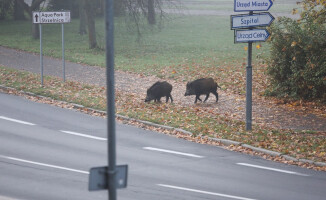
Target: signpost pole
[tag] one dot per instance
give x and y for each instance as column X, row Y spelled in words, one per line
column 109, row 27
column 249, row 89
column 249, row 86
column 56, row 17
column 115, row 177
column 63, row 52
column 41, row 54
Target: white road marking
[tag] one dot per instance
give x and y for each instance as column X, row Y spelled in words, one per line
column 83, row 135
column 172, row 152
column 204, row 192
column 44, row 165
column 6, row 198
column 272, row 169
column 16, row 120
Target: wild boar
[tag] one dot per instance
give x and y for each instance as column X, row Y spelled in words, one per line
column 202, row 86
column 158, row 90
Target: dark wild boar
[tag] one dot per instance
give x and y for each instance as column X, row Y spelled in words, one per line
column 158, row 90
column 202, row 86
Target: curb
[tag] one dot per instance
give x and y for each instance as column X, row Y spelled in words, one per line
column 261, row 150
column 226, row 142
column 170, row 128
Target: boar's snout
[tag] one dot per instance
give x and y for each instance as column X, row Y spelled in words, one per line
column 187, row 93
column 188, row 90
column 148, row 99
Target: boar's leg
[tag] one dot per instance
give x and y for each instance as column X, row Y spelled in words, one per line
column 167, row 98
column 207, row 95
column 197, row 98
column 216, row 95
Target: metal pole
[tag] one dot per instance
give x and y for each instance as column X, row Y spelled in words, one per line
column 41, row 54
column 109, row 27
column 249, row 87
column 63, row 53
column 249, row 90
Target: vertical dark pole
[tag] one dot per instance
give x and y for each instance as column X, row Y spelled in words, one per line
column 249, row 87
column 109, row 28
column 63, row 52
column 41, row 54
column 249, row 90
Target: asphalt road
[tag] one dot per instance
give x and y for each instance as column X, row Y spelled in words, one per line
column 46, row 153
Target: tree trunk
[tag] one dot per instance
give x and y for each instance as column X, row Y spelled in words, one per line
column 35, row 27
column 118, row 8
column 151, row 13
column 29, row 9
column 90, row 24
column 18, row 11
column 35, row 31
column 4, row 8
column 82, row 18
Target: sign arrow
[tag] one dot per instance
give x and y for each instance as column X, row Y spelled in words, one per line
column 252, row 5
column 36, row 17
column 248, row 21
column 255, row 35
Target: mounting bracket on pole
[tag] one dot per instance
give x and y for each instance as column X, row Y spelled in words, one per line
column 98, row 178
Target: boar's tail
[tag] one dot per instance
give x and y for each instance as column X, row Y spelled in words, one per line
column 218, row 86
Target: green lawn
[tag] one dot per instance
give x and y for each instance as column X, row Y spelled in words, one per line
column 186, row 47
column 183, row 39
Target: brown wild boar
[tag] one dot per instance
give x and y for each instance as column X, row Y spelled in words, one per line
column 202, row 86
column 158, row 90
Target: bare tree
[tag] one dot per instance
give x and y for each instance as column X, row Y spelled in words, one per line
column 82, row 18
column 152, row 10
column 89, row 10
column 29, row 9
column 5, row 8
column 119, row 9
column 18, row 11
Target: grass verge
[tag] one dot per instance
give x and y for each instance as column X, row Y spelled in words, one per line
column 198, row 120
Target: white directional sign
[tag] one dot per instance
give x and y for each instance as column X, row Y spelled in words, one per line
column 255, row 35
column 252, row 5
column 247, row 21
column 51, row 17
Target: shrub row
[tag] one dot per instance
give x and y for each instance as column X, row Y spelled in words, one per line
column 297, row 64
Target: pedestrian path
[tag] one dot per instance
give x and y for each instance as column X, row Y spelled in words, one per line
column 264, row 112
